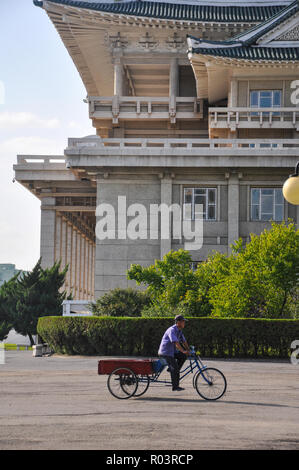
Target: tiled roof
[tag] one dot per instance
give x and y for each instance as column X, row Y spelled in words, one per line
column 245, row 46
column 177, row 11
column 252, row 35
column 252, row 53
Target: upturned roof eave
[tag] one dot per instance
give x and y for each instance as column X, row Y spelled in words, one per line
column 177, row 11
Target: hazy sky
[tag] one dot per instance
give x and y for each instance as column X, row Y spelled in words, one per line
column 42, row 107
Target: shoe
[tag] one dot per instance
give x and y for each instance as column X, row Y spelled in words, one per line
column 177, row 389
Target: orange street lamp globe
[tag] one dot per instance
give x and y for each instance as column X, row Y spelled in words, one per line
column 291, row 187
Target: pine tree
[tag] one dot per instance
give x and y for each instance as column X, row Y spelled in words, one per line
column 38, row 295
column 7, row 306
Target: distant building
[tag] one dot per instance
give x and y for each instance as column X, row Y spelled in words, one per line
column 7, row 271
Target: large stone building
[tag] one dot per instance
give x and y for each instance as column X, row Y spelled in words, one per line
column 193, row 102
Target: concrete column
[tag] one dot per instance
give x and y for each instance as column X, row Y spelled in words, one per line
column 58, row 238
column 47, row 232
column 233, row 209
column 234, row 93
column 166, row 198
column 79, row 264
column 93, row 269
column 173, row 88
column 88, row 268
column 84, row 268
column 69, row 254
column 80, row 268
column 174, row 78
column 118, row 78
column 72, row 265
column 61, row 240
column 75, row 264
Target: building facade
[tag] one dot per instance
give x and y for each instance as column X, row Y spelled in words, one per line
column 193, row 103
column 7, row 271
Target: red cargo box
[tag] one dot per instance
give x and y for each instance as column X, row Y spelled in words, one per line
column 138, row 366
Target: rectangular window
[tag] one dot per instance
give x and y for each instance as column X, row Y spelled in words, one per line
column 265, row 99
column 199, row 201
column 267, row 204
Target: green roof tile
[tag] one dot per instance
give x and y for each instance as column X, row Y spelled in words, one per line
column 252, row 53
column 177, row 11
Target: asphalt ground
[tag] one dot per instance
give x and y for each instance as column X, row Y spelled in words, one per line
column 60, row 402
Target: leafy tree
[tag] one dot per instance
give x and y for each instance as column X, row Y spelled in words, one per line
column 121, row 302
column 168, row 282
column 259, row 279
column 262, row 277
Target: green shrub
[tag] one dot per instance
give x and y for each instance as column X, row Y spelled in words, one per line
column 121, row 303
column 212, row 337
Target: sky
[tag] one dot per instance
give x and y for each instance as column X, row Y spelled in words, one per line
column 41, row 105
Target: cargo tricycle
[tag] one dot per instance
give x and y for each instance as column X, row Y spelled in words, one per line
column 129, row 378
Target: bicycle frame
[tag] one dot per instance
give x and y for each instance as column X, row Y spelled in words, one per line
column 195, row 363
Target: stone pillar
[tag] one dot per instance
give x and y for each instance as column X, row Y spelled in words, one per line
column 84, row 267
column 118, row 78
column 58, row 238
column 47, row 232
column 69, row 254
column 234, row 93
column 173, row 89
column 81, row 268
column 233, row 208
column 73, row 261
column 166, row 198
column 75, row 264
column 79, row 245
column 93, row 270
column 174, row 78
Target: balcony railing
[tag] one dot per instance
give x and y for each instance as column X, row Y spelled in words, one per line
column 95, row 143
column 142, row 107
column 255, row 118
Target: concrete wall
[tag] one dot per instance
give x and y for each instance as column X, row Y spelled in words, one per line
column 114, row 257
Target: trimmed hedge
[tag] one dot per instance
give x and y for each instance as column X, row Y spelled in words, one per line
column 212, row 337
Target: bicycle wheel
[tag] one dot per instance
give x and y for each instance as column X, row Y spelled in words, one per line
column 210, row 384
column 122, row 383
column 142, row 386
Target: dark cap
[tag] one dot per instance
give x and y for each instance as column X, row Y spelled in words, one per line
column 180, row 318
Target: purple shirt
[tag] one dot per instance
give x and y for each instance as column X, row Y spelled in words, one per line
column 170, row 337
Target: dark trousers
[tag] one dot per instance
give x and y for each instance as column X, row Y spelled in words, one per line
column 175, row 363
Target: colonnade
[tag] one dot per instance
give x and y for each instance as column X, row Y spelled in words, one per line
column 76, row 250
column 65, row 237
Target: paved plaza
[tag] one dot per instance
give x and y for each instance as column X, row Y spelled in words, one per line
column 59, row 402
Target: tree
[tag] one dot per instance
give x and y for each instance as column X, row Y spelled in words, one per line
column 121, row 303
column 259, row 279
column 262, row 277
column 36, row 294
column 168, row 281
column 7, row 305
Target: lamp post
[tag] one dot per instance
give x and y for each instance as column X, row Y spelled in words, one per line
column 291, row 187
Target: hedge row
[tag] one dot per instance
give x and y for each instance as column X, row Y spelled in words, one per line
column 212, row 337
